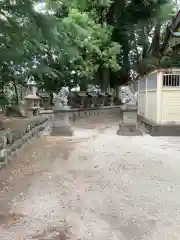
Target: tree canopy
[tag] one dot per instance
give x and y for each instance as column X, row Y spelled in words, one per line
column 77, row 42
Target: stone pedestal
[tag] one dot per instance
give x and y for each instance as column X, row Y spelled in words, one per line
column 129, row 126
column 32, row 105
column 61, row 123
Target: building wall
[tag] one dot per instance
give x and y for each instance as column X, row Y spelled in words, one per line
column 147, row 97
column 142, row 103
column 170, row 105
column 142, row 96
column 151, row 105
column 170, row 97
column 151, row 97
column 159, row 97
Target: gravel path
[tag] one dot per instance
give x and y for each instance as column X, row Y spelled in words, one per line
column 95, row 185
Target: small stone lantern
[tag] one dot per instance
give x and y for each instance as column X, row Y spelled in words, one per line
column 102, row 98
column 110, row 98
column 92, row 98
column 45, row 100
column 83, row 97
column 32, row 101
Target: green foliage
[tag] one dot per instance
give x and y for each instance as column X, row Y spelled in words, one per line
column 3, row 99
column 172, row 61
column 134, row 25
column 51, row 43
column 67, row 42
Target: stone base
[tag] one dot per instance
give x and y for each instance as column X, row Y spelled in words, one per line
column 154, row 129
column 62, row 130
column 126, row 129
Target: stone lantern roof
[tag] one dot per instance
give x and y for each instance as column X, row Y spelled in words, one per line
column 32, row 96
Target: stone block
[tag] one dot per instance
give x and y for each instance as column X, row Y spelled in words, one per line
column 61, row 130
column 9, row 150
column 74, row 117
column 128, row 130
column 2, row 165
column 81, row 114
column 125, row 127
column 25, row 137
column 3, row 155
column 14, row 154
column 14, row 146
column 137, row 133
column 20, row 143
column 3, row 140
column 130, row 117
column 33, row 131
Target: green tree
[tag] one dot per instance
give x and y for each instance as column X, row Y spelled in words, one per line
column 78, row 41
column 133, row 22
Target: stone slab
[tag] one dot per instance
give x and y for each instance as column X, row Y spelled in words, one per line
column 137, row 133
column 129, row 117
column 160, row 130
column 61, row 130
column 126, row 129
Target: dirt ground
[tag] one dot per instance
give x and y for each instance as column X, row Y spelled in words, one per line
column 94, row 185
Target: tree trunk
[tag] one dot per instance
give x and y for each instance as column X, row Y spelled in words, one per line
column 2, row 87
column 118, row 88
column 16, row 91
column 104, row 78
column 156, row 41
column 83, row 86
column 51, row 98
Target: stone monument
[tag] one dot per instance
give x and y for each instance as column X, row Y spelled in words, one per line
column 128, row 125
column 61, row 124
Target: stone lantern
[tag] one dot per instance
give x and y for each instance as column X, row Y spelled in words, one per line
column 92, row 98
column 32, row 100
column 83, row 96
column 102, row 98
column 110, row 98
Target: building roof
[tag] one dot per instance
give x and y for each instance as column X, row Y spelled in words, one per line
column 171, row 31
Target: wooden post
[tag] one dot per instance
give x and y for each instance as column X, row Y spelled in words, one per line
column 159, row 96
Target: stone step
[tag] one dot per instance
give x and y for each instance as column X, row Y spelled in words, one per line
column 126, row 129
column 137, row 133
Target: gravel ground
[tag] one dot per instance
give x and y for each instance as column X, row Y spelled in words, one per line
column 95, row 185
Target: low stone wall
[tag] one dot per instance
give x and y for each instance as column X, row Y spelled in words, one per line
column 158, row 130
column 99, row 113
column 14, row 139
